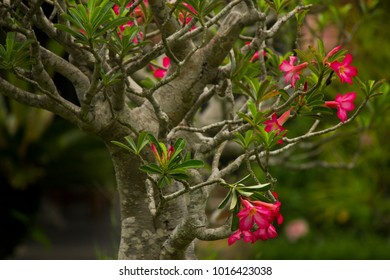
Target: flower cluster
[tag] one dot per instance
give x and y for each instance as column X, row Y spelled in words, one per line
column 343, row 69
column 255, row 221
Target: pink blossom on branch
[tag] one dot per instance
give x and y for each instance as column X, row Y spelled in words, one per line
column 255, row 221
column 292, row 72
column 185, row 16
column 344, row 69
column 343, row 104
column 255, row 56
column 275, row 123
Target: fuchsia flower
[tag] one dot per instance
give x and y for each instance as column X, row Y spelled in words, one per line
column 256, row 54
column 344, row 70
column 343, row 103
column 160, row 72
column 292, row 72
column 275, row 123
column 185, row 16
column 256, row 220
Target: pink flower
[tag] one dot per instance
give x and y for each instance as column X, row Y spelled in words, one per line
column 343, row 103
column 160, row 72
column 292, row 72
column 275, row 123
column 185, row 16
column 256, row 54
column 265, row 233
column 255, row 221
column 238, row 234
column 274, row 208
column 344, row 70
column 253, row 214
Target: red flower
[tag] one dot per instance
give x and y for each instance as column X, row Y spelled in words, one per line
column 185, row 16
column 160, row 72
column 275, row 123
column 292, row 72
column 256, row 221
column 343, row 103
column 344, row 70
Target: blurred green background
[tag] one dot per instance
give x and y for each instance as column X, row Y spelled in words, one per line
column 57, row 191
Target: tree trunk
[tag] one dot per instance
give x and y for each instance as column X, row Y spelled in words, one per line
column 143, row 231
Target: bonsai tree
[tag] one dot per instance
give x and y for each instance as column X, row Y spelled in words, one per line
column 172, row 88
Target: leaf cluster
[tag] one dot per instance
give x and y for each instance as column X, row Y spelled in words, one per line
column 172, row 163
column 15, row 53
column 91, row 22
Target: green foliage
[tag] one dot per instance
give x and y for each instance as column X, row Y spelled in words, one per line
column 124, row 43
column 15, row 53
column 200, row 10
column 92, row 22
column 133, row 147
column 171, row 163
column 255, row 118
column 237, row 190
column 277, row 5
column 372, row 88
column 258, row 91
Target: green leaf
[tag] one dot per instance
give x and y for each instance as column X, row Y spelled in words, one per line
column 123, row 146
column 234, row 201
column 264, row 187
column 179, row 147
column 163, row 181
column 193, row 163
column 225, row 200
column 252, row 108
column 244, row 193
column 235, row 219
column 155, row 142
column 242, row 179
column 142, row 141
column 178, row 174
column 131, row 143
column 15, row 53
column 321, row 48
column 151, row 168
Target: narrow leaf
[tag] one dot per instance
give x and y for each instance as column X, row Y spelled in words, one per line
column 151, row 168
column 225, row 200
column 123, row 146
